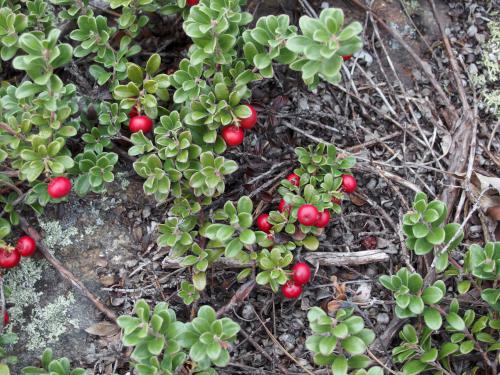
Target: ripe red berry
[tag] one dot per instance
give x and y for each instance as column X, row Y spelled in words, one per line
column 291, row 290
column 9, row 258
column 249, row 122
column 294, row 179
column 192, row 3
column 263, row 224
column 59, row 187
column 323, row 219
column 139, row 123
column 133, row 112
column 346, row 57
column 26, row 246
column 6, row 318
column 348, row 183
column 233, row 135
column 301, row 273
column 307, row 214
column 283, row 206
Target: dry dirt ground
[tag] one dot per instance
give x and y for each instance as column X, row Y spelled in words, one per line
column 382, row 111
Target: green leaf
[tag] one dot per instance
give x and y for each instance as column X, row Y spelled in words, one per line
column 414, row 367
column 247, row 236
column 327, row 345
column 436, row 236
column 245, row 205
column 153, row 64
column 420, row 230
column 311, row 243
column 200, row 280
column 455, row 321
column 354, row 345
column 432, row 295
column 432, row 318
column 339, row 366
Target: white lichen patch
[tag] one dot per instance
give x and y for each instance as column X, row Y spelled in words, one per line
column 21, row 281
column 38, row 325
column 491, row 76
column 55, row 236
column 123, row 179
column 50, row 322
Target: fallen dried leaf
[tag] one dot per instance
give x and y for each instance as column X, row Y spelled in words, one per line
column 103, row 329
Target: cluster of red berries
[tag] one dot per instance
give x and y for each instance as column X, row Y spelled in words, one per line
column 301, row 274
column 11, row 256
column 233, row 134
column 308, row 214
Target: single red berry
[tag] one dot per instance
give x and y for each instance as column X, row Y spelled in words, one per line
column 348, row 183
column 192, row 3
column 283, row 206
column 233, row 135
column 369, row 243
column 294, row 179
column 263, row 224
column 250, row 121
column 323, row 219
column 291, row 290
column 336, row 200
column 307, row 215
column 6, row 318
column 9, row 258
column 301, row 273
column 133, row 112
column 59, row 187
column 270, row 237
column 26, row 246
column 346, row 57
column 139, row 123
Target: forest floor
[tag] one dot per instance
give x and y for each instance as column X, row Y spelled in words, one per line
column 386, row 111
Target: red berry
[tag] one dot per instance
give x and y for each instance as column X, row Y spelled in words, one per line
column 59, row 187
column 369, row 243
column 294, row 179
column 291, row 290
column 301, row 273
column 283, row 206
column 346, row 57
column 249, row 122
column 348, row 183
column 6, row 318
column 9, row 258
column 133, row 112
column 233, row 135
column 263, row 224
column 26, row 246
column 139, row 123
column 307, row 215
column 323, row 219
column 192, row 3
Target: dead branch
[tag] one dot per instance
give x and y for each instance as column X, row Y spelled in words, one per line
column 322, row 258
column 64, row 272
